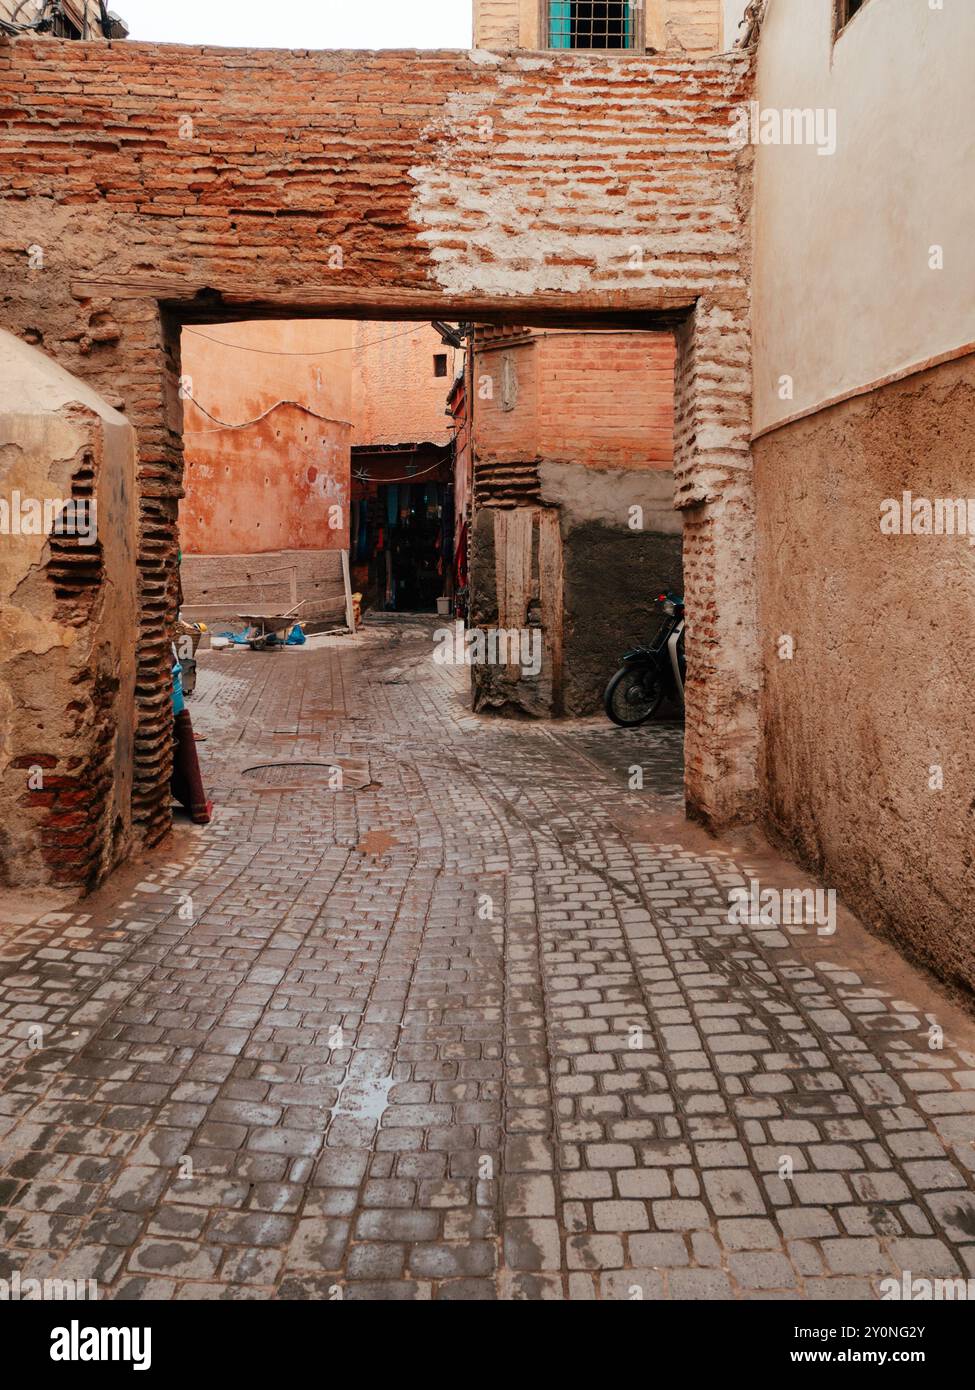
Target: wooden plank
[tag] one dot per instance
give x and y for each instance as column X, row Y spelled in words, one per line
column 550, row 580
column 513, row 535
column 347, row 580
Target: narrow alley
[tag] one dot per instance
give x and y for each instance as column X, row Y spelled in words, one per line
column 476, row 1023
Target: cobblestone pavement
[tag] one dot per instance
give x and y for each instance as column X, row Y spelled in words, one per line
column 476, row 1025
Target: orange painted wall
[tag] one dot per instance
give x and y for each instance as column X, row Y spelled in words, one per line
column 289, row 399
column 396, row 398
column 274, row 483
column 282, row 484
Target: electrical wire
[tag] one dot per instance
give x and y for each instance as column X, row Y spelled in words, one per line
column 273, row 352
column 43, row 21
column 245, row 424
column 410, row 477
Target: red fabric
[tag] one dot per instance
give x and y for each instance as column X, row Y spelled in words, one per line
column 187, row 780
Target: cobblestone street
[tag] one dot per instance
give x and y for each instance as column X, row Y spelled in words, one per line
column 475, row 1025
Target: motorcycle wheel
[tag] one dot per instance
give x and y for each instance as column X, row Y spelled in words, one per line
column 633, row 696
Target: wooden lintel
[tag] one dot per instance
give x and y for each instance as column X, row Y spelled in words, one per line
column 192, row 302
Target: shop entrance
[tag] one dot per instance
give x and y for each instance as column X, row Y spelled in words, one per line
column 402, row 531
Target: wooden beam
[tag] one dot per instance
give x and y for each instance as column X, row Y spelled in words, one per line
column 192, row 302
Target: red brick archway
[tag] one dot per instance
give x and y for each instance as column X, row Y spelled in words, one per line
column 167, row 185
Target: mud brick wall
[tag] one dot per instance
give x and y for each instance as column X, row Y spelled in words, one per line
column 868, row 731
column 223, row 184
column 68, row 623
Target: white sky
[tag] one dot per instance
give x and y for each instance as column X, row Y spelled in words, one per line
column 301, row 23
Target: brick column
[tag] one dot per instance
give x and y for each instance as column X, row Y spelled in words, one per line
column 713, row 488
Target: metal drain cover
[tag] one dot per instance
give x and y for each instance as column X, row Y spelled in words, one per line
column 343, row 774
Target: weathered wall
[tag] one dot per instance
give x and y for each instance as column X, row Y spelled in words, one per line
column 68, row 625
column 878, row 694
column 613, row 571
column 239, row 371
column 396, row 398
column 688, row 26
column 266, row 411
column 584, row 424
column 693, row 26
column 850, row 310
column 282, row 483
column 217, row 589
column 233, row 183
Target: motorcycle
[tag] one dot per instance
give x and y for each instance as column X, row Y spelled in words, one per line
column 650, row 674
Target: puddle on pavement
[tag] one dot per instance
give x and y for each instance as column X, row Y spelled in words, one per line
column 364, row 1100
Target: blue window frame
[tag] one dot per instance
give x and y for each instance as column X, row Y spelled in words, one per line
column 592, row 24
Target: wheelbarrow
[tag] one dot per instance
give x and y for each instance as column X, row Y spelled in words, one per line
column 265, row 628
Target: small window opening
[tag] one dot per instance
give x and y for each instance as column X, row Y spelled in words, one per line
column 845, row 10
column 440, row 364
column 591, row 24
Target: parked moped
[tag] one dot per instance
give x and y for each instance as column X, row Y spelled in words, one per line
column 650, row 674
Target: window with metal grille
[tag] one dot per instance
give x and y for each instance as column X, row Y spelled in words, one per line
column 592, row 24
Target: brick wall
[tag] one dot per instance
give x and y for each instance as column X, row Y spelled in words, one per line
column 226, row 184
column 603, row 399
column 396, row 396
column 607, row 399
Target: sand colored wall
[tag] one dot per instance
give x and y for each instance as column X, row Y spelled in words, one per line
column 688, row 26
column 878, row 693
column 867, row 768
column 837, row 314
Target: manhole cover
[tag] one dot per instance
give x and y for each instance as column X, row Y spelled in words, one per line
column 344, row 774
